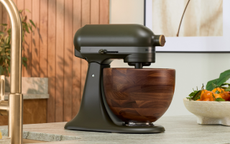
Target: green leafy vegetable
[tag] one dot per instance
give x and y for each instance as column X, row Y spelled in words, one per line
column 227, row 89
column 219, row 83
column 219, row 99
column 211, row 85
column 195, row 95
column 224, row 76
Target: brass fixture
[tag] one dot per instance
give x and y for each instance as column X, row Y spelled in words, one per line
column 2, row 88
column 15, row 104
column 4, row 108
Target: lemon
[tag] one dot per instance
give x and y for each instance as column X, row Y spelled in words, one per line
column 0, row 135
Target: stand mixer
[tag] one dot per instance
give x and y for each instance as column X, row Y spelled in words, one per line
column 99, row 45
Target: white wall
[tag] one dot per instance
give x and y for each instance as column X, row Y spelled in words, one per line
column 192, row 69
column 126, row 11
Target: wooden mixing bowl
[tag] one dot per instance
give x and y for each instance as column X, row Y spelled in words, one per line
column 138, row 95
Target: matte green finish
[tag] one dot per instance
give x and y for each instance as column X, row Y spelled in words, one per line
column 133, row 43
column 113, row 35
column 99, row 45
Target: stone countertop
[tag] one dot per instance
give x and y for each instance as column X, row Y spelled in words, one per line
column 179, row 130
column 27, row 96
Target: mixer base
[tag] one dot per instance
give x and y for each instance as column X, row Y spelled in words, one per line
column 118, row 129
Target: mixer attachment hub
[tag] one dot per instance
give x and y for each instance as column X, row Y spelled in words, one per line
column 139, row 65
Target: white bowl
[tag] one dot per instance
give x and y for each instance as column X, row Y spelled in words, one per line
column 209, row 112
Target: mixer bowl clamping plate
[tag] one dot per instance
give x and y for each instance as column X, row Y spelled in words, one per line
column 122, row 100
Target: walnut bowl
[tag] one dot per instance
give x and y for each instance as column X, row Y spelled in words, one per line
column 138, row 95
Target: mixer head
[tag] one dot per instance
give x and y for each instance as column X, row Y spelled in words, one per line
column 133, row 43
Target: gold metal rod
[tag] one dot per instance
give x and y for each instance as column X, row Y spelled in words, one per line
column 15, row 118
column 15, row 97
column 6, row 108
column 16, row 46
column 4, row 105
column 2, row 90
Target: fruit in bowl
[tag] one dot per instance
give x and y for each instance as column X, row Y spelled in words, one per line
column 216, row 90
column 211, row 104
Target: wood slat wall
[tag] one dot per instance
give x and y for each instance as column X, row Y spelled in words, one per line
column 50, row 50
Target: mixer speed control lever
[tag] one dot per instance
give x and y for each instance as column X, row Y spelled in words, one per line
column 104, row 51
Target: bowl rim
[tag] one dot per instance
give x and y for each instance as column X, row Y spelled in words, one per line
column 185, row 99
column 130, row 68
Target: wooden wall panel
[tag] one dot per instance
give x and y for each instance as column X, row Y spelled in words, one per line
column 60, row 15
column 51, row 60
column 95, row 11
column 50, row 51
column 35, row 39
column 104, row 11
column 20, row 4
column 27, row 52
column 68, row 60
column 4, row 15
column 34, row 111
column 43, row 47
column 86, row 11
column 76, row 91
column 1, row 9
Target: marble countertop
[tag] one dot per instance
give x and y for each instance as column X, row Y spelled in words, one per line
column 179, row 130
